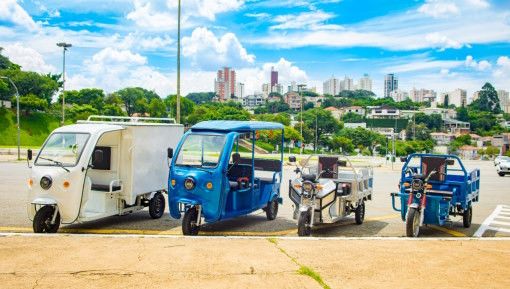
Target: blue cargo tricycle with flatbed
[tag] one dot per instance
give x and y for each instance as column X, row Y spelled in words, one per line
column 216, row 175
column 433, row 188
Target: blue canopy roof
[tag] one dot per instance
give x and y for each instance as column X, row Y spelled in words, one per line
column 235, row 125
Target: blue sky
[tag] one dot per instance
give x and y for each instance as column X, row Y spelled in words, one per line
column 431, row 44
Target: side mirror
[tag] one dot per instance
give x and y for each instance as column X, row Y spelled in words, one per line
column 341, row 163
column 403, row 159
column 292, row 159
column 98, row 156
column 450, row 162
column 29, row 154
column 169, row 153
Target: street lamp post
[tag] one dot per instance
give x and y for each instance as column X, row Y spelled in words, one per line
column 17, row 112
column 178, row 110
column 64, row 49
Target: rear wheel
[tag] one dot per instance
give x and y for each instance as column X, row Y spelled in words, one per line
column 272, row 210
column 304, row 224
column 157, row 206
column 467, row 217
column 359, row 214
column 190, row 222
column 42, row 220
column 501, row 174
column 413, row 223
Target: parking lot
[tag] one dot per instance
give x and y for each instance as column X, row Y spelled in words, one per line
column 493, row 212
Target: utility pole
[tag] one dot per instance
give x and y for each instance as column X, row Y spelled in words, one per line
column 316, row 132
column 303, row 138
column 178, row 110
column 17, row 113
column 64, row 46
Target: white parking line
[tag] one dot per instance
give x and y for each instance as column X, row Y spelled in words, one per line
column 496, row 214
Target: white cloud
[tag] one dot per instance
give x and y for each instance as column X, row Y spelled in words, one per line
column 442, row 41
column 481, row 66
column 208, row 51
column 258, row 16
column 28, row 58
column 140, row 41
column 503, row 68
column 438, row 8
column 479, row 3
column 426, row 64
column 11, row 11
column 304, row 20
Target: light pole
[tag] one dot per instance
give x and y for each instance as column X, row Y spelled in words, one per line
column 178, row 111
column 17, row 112
column 64, row 49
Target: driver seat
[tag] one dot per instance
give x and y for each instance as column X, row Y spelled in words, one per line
column 438, row 164
column 239, row 175
column 330, row 164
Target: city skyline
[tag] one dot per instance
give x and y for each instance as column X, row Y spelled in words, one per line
column 439, row 45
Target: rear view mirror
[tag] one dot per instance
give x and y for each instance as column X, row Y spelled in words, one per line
column 29, row 154
column 98, row 156
column 169, row 153
column 403, row 159
column 292, row 159
column 450, row 162
column 342, row 163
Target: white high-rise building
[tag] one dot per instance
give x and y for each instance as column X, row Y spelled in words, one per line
column 458, row 97
column 390, row 84
column 422, row 95
column 365, row 83
column 504, row 100
column 331, row 86
column 346, row 84
column 240, row 90
column 399, row 95
column 266, row 90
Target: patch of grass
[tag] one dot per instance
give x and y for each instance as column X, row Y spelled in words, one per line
column 304, row 270
column 34, row 128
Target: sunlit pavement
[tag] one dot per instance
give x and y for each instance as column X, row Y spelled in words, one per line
column 381, row 220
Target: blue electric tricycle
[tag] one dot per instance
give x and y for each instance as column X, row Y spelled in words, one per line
column 433, row 188
column 215, row 174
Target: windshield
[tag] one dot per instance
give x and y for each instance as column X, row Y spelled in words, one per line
column 62, row 149
column 200, row 150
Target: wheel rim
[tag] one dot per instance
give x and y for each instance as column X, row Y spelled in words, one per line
column 416, row 224
column 157, row 205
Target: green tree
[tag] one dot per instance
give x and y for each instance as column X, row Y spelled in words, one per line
column 187, row 106
column 30, row 103
column 200, row 97
column 132, row 98
column 487, row 100
column 321, row 121
column 77, row 112
column 421, row 130
column 33, row 83
column 157, row 108
column 462, row 114
column 352, row 117
column 361, row 137
column 113, row 110
column 92, row 96
column 341, row 144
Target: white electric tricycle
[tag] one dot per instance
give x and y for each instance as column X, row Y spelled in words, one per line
column 100, row 167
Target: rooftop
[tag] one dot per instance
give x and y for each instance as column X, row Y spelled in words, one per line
column 235, row 125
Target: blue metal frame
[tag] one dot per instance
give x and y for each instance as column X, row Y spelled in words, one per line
column 220, row 203
column 464, row 191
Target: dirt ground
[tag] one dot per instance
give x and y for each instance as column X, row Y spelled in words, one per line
column 80, row 261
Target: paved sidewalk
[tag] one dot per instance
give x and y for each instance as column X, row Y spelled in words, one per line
column 78, row 261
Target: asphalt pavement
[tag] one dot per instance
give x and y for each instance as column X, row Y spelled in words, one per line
column 381, row 220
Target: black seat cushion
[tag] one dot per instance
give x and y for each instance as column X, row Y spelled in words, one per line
column 104, row 188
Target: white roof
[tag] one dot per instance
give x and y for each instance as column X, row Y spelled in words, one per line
column 89, row 128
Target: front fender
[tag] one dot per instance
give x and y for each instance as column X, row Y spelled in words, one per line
column 174, row 206
column 44, row 201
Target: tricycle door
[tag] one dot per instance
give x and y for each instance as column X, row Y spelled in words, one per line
column 57, row 175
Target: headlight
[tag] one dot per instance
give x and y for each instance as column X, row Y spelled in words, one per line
column 307, row 187
column 417, row 184
column 189, row 184
column 46, row 182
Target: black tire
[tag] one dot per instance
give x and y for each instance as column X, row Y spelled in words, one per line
column 189, row 222
column 157, row 206
column 359, row 213
column 501, row 174
column 413, row 223
column 272, row 210
column 304, row 222
column 42, row 220
column 467, row 217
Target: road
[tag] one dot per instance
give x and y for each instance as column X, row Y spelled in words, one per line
column 380, row 220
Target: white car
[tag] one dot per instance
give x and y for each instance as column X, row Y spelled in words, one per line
column 498, row 159
column 503, row 168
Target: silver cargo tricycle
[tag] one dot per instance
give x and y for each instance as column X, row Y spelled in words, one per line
column 327, row 189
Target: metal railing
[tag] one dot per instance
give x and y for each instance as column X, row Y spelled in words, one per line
column 127, row 119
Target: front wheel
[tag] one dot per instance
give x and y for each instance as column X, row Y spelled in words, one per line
column 467, row 217
column 413, row 223
column 304, row 224
column 359, row 214
column 190, row 225
column 157, row 206
column 272, row 210
column 42, row 220
column 501, row 174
